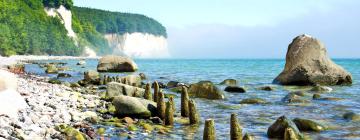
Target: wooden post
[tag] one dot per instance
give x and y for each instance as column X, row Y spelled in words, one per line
column 171, row 99
column 193, row 114
column 147, row 94
column 184, row 102
column 161, row 106
column 169, row 114
column 209, row 130
column 156, row 91
column 235, row 128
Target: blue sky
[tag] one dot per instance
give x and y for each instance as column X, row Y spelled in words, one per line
column 247, row 28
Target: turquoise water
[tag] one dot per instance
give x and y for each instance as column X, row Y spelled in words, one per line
column 250, row 73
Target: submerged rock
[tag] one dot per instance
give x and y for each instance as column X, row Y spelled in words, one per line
column 115, row 89
column 319, row 88
column 293, row 97
column 81, row 62
column 142, row 76
column 172, row 84
column 229, row 82
column 63, row 75
column 205, row 89
column 253, row 101
column 308, row 125
column 277, row 129
column 307, row 63
column 266, row 88
column 351, row 116
column 134, row 107
column 235, row 89
column 113, row 63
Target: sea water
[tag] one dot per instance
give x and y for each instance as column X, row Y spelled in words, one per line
column 251, row 74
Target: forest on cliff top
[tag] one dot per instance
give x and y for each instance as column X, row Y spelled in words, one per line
column 25, row 28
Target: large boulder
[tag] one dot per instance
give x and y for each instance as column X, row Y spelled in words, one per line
column 277, row 129
column 115, row 89
column 205, row 89
column 134, row 107
column 113, row 63
column 307, row 63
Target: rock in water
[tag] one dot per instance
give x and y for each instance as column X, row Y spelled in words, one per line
column 308, row 125
column 205, row 89
column 229, row 82
column 307, row 63
column 113, row 63
column 133, row 107
column 91, row 76
column 235, row 89
column 277, row 129
column 116, row 89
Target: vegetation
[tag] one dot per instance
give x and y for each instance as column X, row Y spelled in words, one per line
column 116, row 22
column 25, row 28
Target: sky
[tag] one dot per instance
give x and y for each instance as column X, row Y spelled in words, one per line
column 247, row 28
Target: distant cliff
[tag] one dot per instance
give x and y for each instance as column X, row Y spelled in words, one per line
column 139, row 45
column 56, row 27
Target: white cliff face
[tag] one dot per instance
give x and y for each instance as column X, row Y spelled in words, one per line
column 65, row 16
column 139, row 45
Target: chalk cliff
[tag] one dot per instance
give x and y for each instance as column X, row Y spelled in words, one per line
column 138, row 45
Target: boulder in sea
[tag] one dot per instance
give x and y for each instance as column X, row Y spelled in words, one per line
column 112, row 63
column 92, row 76
column 51, row 68
column 307, row 63
column 308, row 125
column 235, row 89
column 205, row 89
column 229, row 82
column 133, row 107
column 277, row 129
column 115, row 89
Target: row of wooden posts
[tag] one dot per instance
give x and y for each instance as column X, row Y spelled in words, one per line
column 188, row 109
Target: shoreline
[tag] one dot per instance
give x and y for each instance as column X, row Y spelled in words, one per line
column 5, row 61
column 34, row 108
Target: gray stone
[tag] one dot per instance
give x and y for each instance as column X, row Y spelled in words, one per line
column 205, row 89
column 133, row 107
column 116, row 89
column 307, row 63
column 112, row 63
column 277, row 129
column 308, row 125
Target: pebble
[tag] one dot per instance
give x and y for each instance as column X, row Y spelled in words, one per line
column 48, row 105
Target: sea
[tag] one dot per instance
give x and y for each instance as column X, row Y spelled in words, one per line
column 251, row 74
